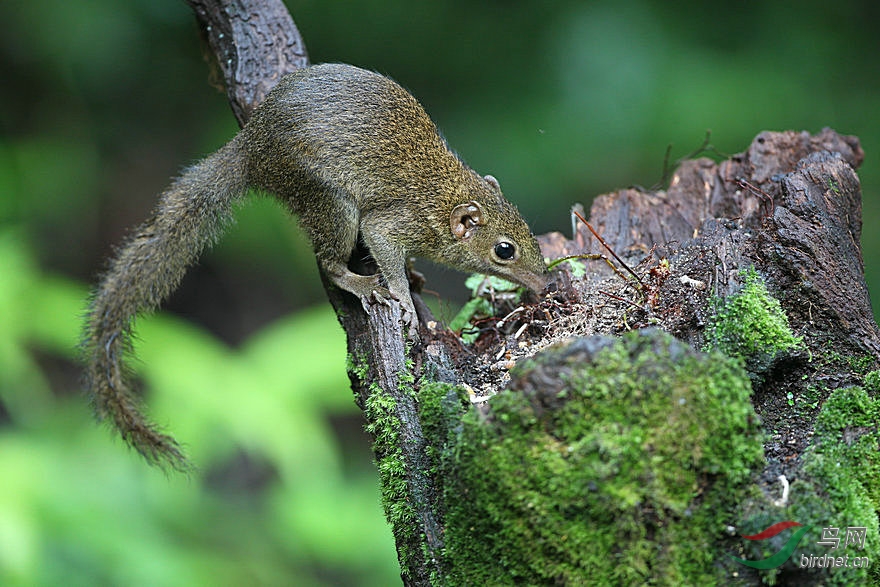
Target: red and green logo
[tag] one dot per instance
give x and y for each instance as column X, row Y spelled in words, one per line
column 780, row 557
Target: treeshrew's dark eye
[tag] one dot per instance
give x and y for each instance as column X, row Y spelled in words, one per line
column 505, row 251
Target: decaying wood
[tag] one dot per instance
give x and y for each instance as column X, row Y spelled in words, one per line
column 790, row 206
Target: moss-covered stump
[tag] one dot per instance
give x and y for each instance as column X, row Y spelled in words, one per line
column 610, row 461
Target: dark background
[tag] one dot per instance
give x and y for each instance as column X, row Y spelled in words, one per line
column 103, row 101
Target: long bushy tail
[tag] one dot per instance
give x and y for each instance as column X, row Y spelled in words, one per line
column 189, row 217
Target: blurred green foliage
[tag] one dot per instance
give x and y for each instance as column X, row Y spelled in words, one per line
column 102, row 102
column 274, row 502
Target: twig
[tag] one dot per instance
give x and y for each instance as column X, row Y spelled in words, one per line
column 742, row 183
column 608, row 248
column 620, row 299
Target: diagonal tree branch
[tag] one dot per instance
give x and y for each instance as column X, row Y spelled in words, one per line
column 254, row 43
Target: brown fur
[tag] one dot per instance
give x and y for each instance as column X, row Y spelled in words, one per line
column 350, row 152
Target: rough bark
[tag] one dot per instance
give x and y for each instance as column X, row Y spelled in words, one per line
column 253, row 44
column 789, row 207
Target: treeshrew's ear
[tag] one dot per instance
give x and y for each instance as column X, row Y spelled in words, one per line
column 493, row 183
column 465, row 219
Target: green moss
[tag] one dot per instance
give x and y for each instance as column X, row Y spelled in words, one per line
column 441, row 407
column 837, row 486
column 627, row 471
column 357, row 366
column 847, row 435
column 750, row 324
column 861, row 364
column 872, row 382
column 384, row 425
